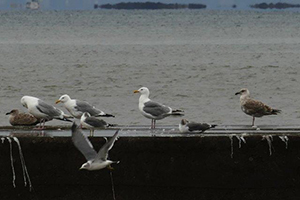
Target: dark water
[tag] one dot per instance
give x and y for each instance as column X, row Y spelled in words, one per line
column 191, row 60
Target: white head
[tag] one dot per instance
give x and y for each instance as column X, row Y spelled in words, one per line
column 143, row 91
column 26, row 99
column 243, row 92
column 64, row 98
column 86, row 166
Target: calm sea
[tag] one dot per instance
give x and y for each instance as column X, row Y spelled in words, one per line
column 190, row 60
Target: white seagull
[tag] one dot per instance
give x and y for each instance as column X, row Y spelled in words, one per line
column 95, row 161
column 77, row 108
column 42, row 111
column 253, row 107
column 91, row 122
column 153, row 110
column 186, row 126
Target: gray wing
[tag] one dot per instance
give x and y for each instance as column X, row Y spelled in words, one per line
column 93, row 121
column 82, row 143
column 103, row 152
column 48, row 109
column 84, row 106
column 156, row 109
column 198, row 126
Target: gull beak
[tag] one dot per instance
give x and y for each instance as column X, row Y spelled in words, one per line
column 7, row 113
column 136, row 91
column 237, row 93
column 80, row 168
column 58, row 101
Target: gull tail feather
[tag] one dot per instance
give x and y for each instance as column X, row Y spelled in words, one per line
column 275, row 111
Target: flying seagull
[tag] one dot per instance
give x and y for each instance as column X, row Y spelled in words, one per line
column 95, row 161
column 153, row 110
column 42, row 111
column 91, row 122
column 186, row 126
column 253, row 107
column 77, row 108
column 21, row 119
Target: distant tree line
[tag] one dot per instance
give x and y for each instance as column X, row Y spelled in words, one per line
column 276, row 5
column 149, row 5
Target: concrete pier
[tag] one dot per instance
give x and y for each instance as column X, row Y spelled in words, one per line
column 229, row 162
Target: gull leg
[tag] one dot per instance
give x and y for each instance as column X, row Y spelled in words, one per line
column 253, row 121
column 154, row 121
column 109, row 167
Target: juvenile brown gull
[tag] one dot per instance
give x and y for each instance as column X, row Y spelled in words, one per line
column 186, row 126
column 153, row 110
column 21, row 119
column 77, row 108
column 42, row 111
column 91, row 122
column 253, row 107
column 95, row 161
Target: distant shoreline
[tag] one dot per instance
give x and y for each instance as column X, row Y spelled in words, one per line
column 275, row 6
column 149, row 6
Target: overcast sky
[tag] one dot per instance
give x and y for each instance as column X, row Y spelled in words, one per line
column 88, row 4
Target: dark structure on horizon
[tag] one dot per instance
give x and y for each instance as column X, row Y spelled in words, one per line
column 149, row 5
column 275, row 6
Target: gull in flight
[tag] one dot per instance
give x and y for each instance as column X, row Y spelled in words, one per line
column 95, row 161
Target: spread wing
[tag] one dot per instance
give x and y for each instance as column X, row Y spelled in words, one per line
column 82, row 143
column 156, row 109
column 103, row 152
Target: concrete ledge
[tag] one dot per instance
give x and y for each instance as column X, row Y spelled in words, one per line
column 157, row 168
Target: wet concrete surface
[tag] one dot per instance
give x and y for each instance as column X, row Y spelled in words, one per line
column 153, row 167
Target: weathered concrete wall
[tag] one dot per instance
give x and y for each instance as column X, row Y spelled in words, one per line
column 156, row 168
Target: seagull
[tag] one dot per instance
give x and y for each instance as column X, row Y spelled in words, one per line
column 153, row 110
column 42, row 111
column 253, row 107
column 91, row 122
column 77, row 108
column 186, row 126
column 95, row 161
column 21, row 119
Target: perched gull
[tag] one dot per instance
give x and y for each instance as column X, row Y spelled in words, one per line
column 153, row 110
column 253, row 107
column 42, row 111
column 95, row 161
column 186, row 126
column 77, row 108
column 21, row 119
column 91, row 122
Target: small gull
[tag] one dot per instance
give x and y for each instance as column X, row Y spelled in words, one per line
column 91, row 122
column 77, row 108
column 253, row 107
column 95, row 161
column 21, row 119
column 153, row 110
column 186, row 126
column 43, row 111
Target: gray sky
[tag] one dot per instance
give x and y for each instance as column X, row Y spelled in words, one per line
column 88, row 4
